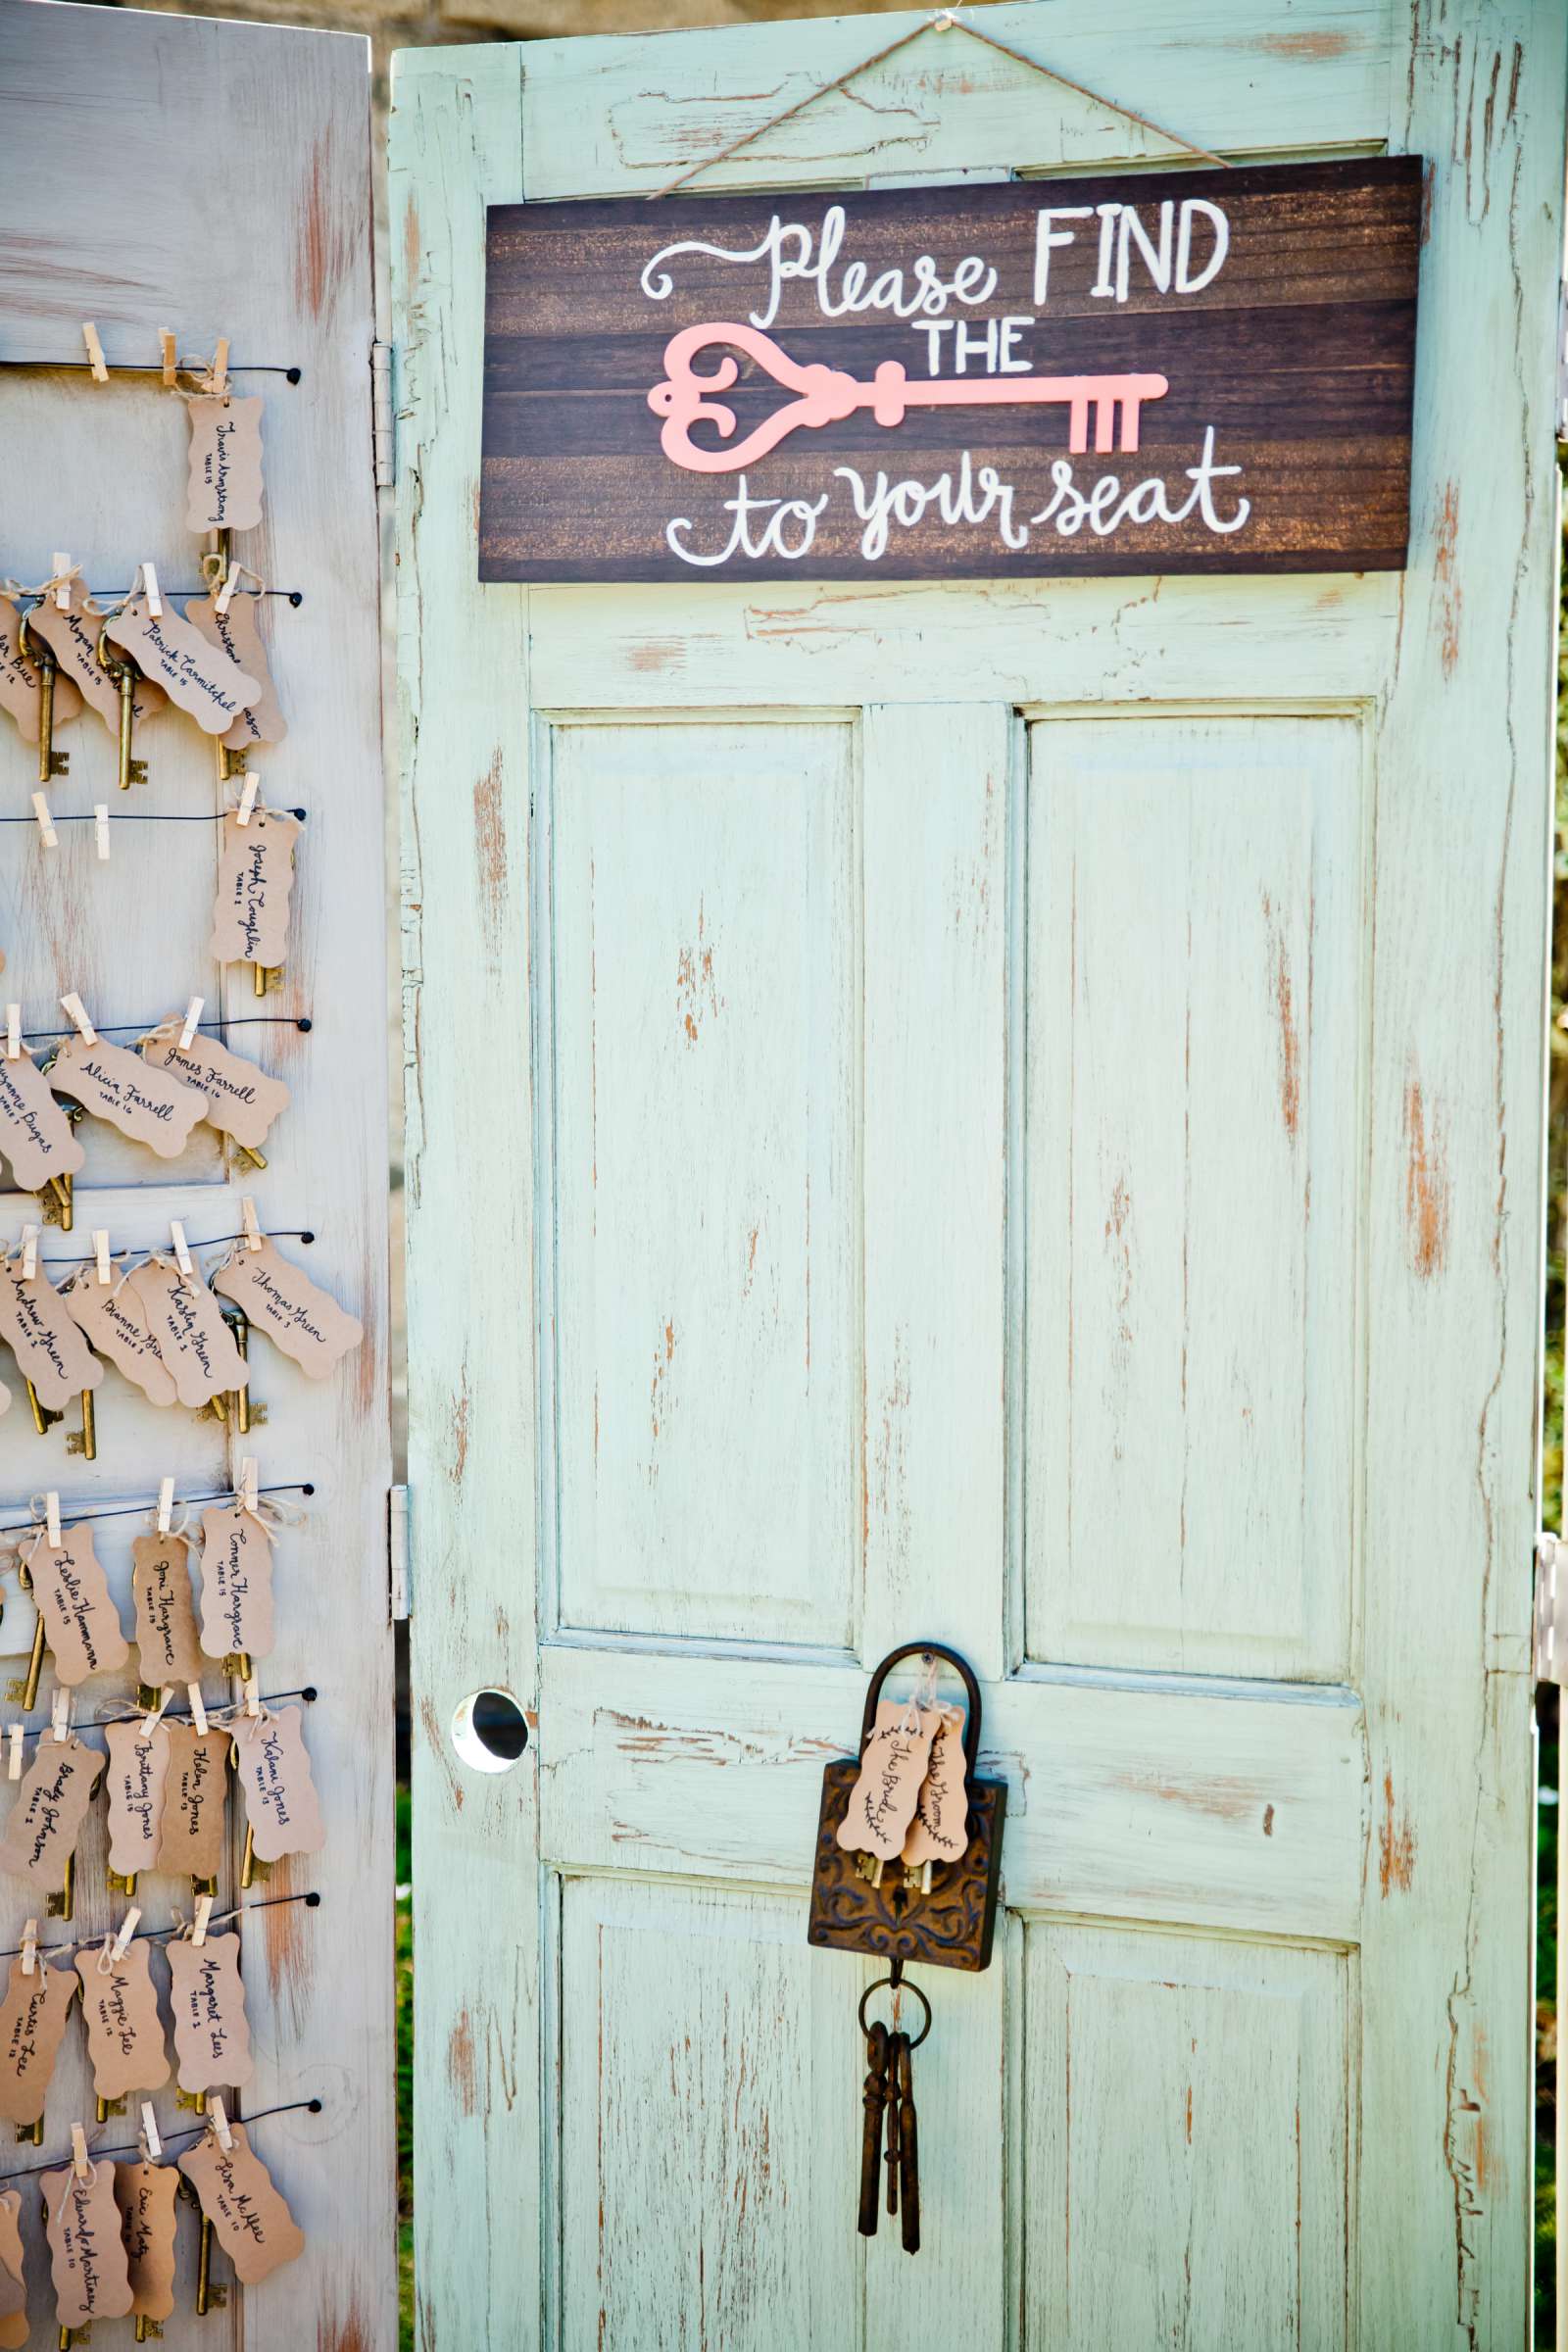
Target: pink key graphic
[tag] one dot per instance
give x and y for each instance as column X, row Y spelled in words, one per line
column 826, row 395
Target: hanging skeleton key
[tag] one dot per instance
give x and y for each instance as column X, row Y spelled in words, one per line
column 874, row 2099
column 908, row 2147
column 33, row 649
column 126, row 677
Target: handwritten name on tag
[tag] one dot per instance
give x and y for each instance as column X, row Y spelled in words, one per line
column 940, row 1829
column 13, row 2275
column 196, row 1345
column 295, row 1315
column 240, row 1100
column 236, row 634
column 212, row 2036
column 87, row 2254
column 145, row 2194
column 115, row 1084
column 882, row 1801
column 191, row 1844
column 275, row 1776
column 80, row 1620
column 136, row 1780
column 111, row 1316
column 72, row 638
column 32, row 2021
column 255, row 2226
column 43, row 1825
column 124, row 2033
column 254, row 879
column 18, row 683
column 224, row 484
column 35, row 1135
column 196, row 675
column 50, row 1351
column 165, row 1613
column 236, row 1583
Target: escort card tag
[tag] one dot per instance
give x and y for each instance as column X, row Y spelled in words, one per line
column 124, row 2031
column 240, row 1100
column 43, row 1824
column 304, row 1320
column 275, row 1776
column 254, row 2225
column 12, row 2276
column 236, row 634
column 255, row 877
column 72, row 637
column 212, row 2037
column 80, row 1622
column 137, row 1775
column 192, row 1846
column 224, row 488
column 19, row 689
column 36, row 1134
column 196, row 675
column 32, row 2021
column 187, row 1323
column 114, row 1319
column 91, row 2273
column 115, row 1084
column 165, row 1613
column 39, row 1332
column 883, row 1800
column 940, row 1829
column 236, row 1583
column 145, row 2194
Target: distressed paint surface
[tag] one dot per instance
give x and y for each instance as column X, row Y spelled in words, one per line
column 1267, row 1759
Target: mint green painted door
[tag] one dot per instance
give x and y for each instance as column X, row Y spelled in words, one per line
column 1013, row 1113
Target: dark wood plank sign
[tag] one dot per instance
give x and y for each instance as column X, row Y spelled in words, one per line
column 1174, row 371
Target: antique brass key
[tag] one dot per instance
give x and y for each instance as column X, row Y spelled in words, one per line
column 124, row 674
column 41, row 656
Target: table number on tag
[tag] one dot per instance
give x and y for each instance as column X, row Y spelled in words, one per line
column 198, row 676
column 255, row 880
column 43, row 1824
column 194, row 1341
column 274, row 1778
column 236, row 1571
column 71, row 634
column 239, row 1099
column 165, row 1635
column 91, row 2273
column 145, row 2194
column 35, row 1135
column 136, row 1779
column 113, row 1083
column 191, row 1844
column 20, row 682
column 114, row 1320
column 255, row 2226
column 223, row 483
column 212, row 2036
column 124, row 2033
column 232, row 629
column 72, row 1595
column 297, row 1315
column 37, row 1326
column 33, row 2023
column 13, row 2275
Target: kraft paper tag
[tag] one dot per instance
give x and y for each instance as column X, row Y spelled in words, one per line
column 212, row 2037
column 80, row 1622
column 145, row 2194
column 166, row 1612
column 198, row 676
column 274, row 1778
column 91, row 2273
column 72, row 638
column 19, row 686
column 137, row 1775
column 124, row 2031
column 940, row 1829
column 236, row 634
column 255, row 877
column 236, row 1583
column 192, row 1846
column 224, row 488
column 882, row 1801
column 295, row 1315
column 43, row 1824
column 38, row 1328
column 187, row 1324
column 239, row 1099
column 115, row 1084
column 35, row 1135
column 13, row 2275
column 112, row 1316
column 33, row 2023
column 254, row 2225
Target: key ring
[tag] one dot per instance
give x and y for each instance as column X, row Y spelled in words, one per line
column 902, row 1986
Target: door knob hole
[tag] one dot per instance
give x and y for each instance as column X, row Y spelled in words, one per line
column 489, row 1731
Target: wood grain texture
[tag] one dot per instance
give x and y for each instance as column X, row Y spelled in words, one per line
column 288, row 279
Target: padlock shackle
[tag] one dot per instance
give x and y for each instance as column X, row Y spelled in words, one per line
column 966, row 1675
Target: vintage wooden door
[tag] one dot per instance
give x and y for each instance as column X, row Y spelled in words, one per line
column 1011, row 1113
column 215, row 179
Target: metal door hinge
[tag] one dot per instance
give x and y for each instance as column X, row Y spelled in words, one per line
column 383, row 444
column 1560, row 403
column 399, row 1589
column 1551, row 1610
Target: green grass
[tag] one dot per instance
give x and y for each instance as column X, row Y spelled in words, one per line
column 404, row 1950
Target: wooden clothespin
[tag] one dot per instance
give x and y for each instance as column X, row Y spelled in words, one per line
column 146, row 582
column 71, row 1004
column 177, row 1235
column 101, row 1259
column 165, row 1504
column 29, row 1947
column 100, row 830
column 29, row 1253
column 95, row 353
column 149, row 2132
column 13, row 1032
column 248, row 1490
column 51, row 1519
column 78, row 2152
column 14, row 1738
column 199, row 1926
column 171, row 362
column 220, row 2122
column 248, row 1223
column 198, row 1712
column 219, row 373
column 149, row 1723
column 222, row 601
column 60, row 1716
column 46, row 823
column 193, row 1014
column 127, row 1929
column 247, row 800
column 253, row 1696
column 61, row 578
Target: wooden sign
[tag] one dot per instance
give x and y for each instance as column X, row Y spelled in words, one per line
column 1167, row 372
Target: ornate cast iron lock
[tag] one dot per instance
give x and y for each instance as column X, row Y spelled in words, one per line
column 897, row 1916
